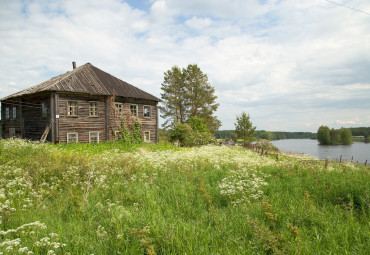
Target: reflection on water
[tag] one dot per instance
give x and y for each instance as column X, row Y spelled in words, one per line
column 359, row 151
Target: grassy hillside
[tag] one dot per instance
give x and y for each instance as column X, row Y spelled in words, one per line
column 154, row 199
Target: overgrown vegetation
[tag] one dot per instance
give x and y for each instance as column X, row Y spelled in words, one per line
column 111, row 198
column 327, row 136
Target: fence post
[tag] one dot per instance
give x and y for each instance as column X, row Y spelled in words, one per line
column 365, row 162
column 277, row 157
column 352, row 159
column 340, row 160
column 326, row 163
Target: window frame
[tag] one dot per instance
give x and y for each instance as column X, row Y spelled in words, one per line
column 69, row 105
column 72, row 133
column 150, row 112
column 7, row 113
column 146, row 140
column 118, row 107
column 44, row 110
column 96, row 112
column 14, row 112
column 12, row 132
column 136, row 109
column 97, row 136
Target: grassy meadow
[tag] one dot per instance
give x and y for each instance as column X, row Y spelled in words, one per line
column 110, row 198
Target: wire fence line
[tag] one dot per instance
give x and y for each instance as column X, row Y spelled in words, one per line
column 265, row 152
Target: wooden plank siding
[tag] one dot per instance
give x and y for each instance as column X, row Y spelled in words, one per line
column 148, row 124
column 29, row 123
column 82, row 85
column 83, row 123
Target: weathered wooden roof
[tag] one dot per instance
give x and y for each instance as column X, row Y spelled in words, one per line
column 87, row 79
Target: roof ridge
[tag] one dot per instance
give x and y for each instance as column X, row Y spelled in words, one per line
column 90, row 80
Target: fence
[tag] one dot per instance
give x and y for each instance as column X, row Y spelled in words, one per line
column 263, row 152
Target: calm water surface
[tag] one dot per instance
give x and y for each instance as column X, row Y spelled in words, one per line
column 359, row 151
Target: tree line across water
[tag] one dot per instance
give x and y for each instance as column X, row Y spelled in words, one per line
column 268, row 135
column 335, row 135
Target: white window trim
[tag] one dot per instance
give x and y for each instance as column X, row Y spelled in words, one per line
column 150, row 112
column 119, row 107
column 98, row 135
column 70, row 134
column 137, row 110
column 97, row 109
column 14, row 116
column 145, row 140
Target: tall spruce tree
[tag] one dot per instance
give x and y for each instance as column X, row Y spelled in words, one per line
column 186, row 93
column 244, row 128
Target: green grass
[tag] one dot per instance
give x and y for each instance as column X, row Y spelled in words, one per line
column 109, row 198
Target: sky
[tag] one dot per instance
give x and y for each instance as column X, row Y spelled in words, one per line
column 291, row 65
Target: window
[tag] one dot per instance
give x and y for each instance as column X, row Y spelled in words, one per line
column 93, row 137
column 119, row 107
column 93, row 112
column 72, row 108
column 14, row 112
column 11, row 132
column 44, row 110
column 133, row 109
column 146, row 111
column 72, row 137
column 7, row 113
column 146, row 136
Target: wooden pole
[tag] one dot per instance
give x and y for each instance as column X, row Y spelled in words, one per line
column 340, row 160
column 365, row 162
column 326, row 163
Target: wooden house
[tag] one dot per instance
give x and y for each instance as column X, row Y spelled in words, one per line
column 82, row 105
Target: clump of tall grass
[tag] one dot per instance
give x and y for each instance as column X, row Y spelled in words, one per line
column 159, row 199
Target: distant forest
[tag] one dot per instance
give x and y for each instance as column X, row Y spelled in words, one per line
column 268, row 135
column 278, row 135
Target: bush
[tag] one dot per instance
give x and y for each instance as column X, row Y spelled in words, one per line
column 196, row 138
column 179, row 133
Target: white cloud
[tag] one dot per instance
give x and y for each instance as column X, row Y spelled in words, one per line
column 293, row 65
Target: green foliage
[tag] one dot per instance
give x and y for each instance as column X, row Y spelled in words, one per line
column 325, row 136
column 174, row 98
column 268, row 135
column 187, row 93
column 345, row 136
column 197, row 138
column 136, row 132
column 264, row 135
column 167, row 200
column 125, row 134
column 179, row 133
column 360, row 131
column 244, row 128
column 197, row 124
column 193, row 134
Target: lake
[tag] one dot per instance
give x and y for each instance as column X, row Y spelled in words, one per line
column 359, row 150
